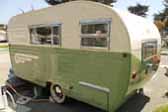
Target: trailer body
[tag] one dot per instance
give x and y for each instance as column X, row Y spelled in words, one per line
column 97, row 54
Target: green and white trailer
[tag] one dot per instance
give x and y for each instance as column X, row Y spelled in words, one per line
column 85, row 50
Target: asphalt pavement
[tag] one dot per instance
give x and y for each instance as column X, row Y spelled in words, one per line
column 4, row 64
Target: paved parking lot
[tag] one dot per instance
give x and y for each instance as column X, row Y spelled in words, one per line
column 154, row 94
column 4, row 64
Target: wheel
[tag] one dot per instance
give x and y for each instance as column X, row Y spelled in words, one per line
column 57, row 94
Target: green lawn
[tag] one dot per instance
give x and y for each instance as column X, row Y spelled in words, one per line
column 163, row 108
column 3, row 45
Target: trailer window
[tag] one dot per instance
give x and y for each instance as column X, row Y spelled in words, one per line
column 45, row 35
column 149, row 49
column 93, row 28
column 95, row 34
column 56, row 35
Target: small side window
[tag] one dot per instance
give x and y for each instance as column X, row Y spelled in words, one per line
column 45, row 35
column 95, row 34
column 149, row 49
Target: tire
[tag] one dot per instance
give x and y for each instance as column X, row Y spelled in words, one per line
column 57, row 94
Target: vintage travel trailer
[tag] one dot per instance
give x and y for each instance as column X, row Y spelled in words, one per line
column 84, row 50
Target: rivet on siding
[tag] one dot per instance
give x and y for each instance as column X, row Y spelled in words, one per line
column 124, row 55
column 71, row 87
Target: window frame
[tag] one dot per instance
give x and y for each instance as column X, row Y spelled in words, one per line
column 52, row 33
column 94, row 22
column 153, row 41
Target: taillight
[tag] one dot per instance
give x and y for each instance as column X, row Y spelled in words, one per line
column 134, row 75
column 156, row 59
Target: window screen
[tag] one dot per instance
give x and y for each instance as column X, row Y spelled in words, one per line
column 149, row 49
column 45, row 35
column 56, row 35
column 95, row 34
column 93, row 28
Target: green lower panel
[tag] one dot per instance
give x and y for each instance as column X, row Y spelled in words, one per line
column 105, row 74
column 140, row 67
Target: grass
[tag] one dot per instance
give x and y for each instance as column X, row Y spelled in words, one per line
column 163, row 108
column 3, row 45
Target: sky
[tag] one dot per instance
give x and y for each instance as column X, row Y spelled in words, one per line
column 9, row 8
column 155, row 5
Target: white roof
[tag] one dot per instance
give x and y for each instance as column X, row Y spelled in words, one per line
column 139, row 28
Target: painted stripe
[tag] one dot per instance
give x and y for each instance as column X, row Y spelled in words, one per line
column 103, row 89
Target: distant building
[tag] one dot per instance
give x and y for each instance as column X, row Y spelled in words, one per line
column 3, row 27
column 3, row 37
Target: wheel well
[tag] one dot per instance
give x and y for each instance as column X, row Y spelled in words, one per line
column 48, row 85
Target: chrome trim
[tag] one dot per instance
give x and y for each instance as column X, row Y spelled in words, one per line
column 103, row 89
column 95, row 21
column 45, row 25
